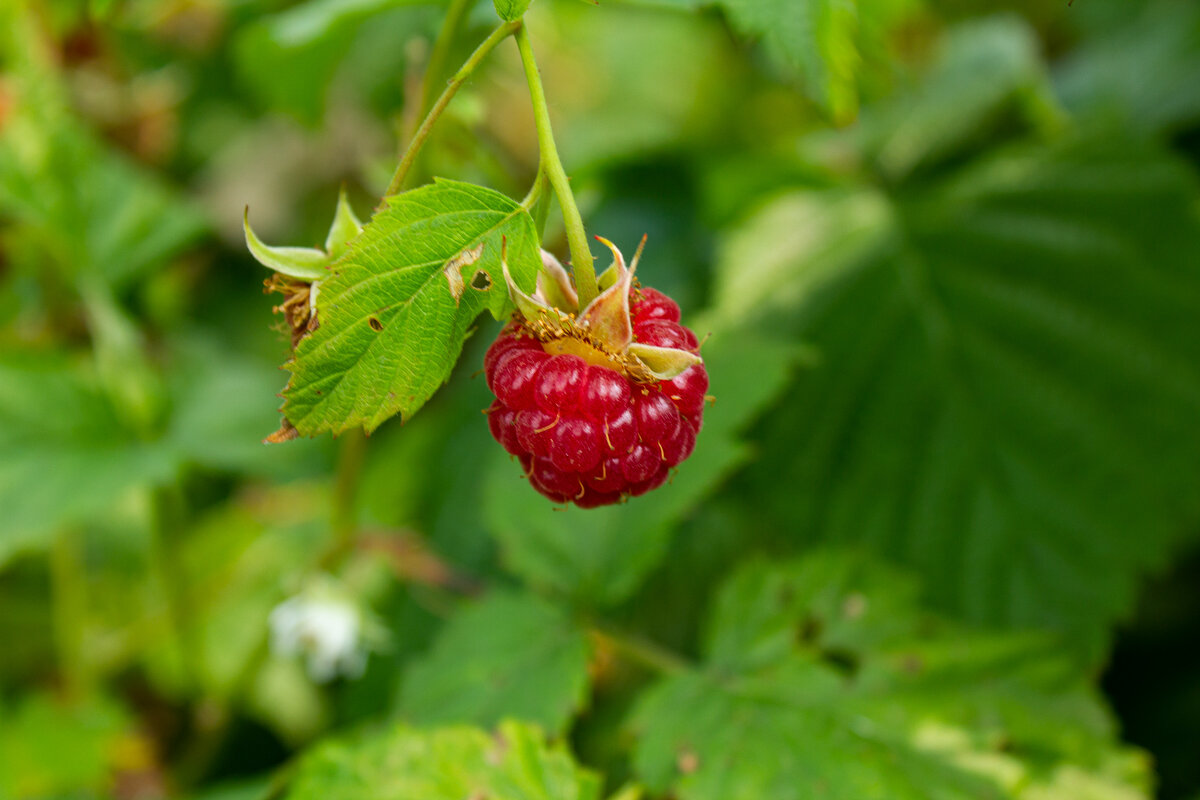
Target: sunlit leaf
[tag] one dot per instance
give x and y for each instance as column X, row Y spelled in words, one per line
column 402, row 763
column 35, row 735
column 390, row 328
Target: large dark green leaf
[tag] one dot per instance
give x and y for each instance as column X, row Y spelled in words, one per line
column 509, row 655
column 1009, row 379
column 1144, row 73
column 823, row 680
column 815, row 39
column 391, row 328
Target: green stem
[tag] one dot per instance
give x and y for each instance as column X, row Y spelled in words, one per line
column 344, row 516
column 642, row 651
column 581, row 255
column 535, row 191
column 410, row 155
column 69, row 584
column 167, row 516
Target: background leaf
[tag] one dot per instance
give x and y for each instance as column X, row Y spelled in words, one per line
column 508, row 655
column 510, row 10
column 815, row 682
column 1007, row 374
column 64, row 455
column 1144, row 70
column 288, row 59
column 815, row 39
column 444, row 764
column 390, row 329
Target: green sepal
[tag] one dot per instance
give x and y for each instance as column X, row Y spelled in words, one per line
column 664, row 363
column 607, row 317
column 531, row 308
column 303, row 263
column 554, row 284
column 344, row 228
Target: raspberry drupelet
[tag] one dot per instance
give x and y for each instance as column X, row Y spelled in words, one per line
column 586, row 430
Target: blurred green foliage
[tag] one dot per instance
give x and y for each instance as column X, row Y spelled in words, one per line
column 946, row 253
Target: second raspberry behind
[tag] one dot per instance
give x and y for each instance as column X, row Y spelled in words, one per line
column 587, row 434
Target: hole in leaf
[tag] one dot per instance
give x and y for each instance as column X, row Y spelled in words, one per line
column 482, row 281
column 375, row 324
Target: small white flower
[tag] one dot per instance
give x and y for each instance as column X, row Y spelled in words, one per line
column 327, row 630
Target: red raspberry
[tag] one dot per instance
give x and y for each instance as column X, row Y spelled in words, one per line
column 587, row 433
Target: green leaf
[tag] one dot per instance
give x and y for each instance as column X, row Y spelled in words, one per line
column 50, row 748
column 236, row 563
column 814, row 39
column 64, row 453
column 509, row 655
column 223, row 404
column 981, row 69
column 1008, row 384
column 1145, row 71
column 93, row 210
column 288, row 59
column 817, row 683
column 390, row 329
column 401, row 763
column 601, row 555
column 42, row 728
column 511, row 10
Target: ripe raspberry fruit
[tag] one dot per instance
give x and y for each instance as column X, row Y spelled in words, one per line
column 601, row 406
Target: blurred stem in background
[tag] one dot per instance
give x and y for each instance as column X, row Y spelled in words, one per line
column 435, row 67
column 414, row 147
column 69, row 581
column 167, row 515
column 344, row 516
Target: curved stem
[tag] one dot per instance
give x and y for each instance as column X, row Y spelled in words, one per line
column 581, row 255
column 536, row 190
column 410, row 155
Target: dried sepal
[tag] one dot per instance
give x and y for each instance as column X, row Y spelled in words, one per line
column 299, row 306
column 286, row 433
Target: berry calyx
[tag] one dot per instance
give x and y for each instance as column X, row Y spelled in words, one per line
column 597, row 405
